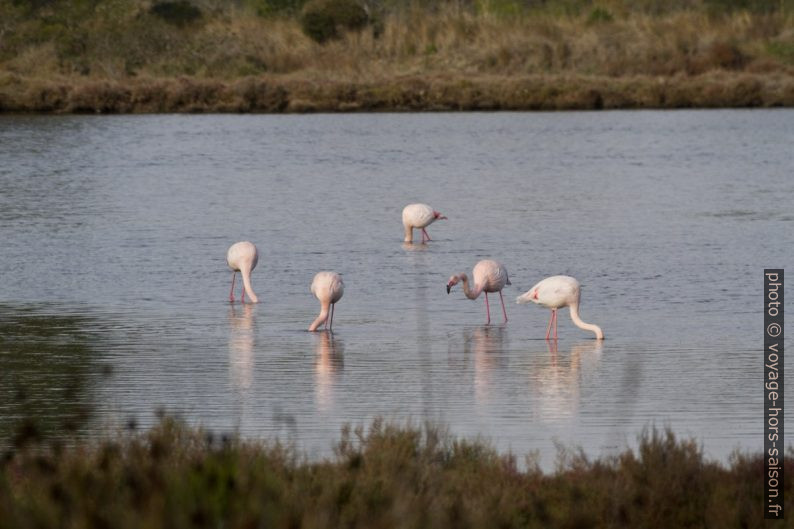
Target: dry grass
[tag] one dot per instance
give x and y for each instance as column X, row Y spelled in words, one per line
column 445, row 58
column 409, row 93
column 386, row 476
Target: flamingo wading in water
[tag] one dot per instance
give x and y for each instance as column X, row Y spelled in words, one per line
column 554, row 293
column 489, row 276
column 419, row 216
column 242, row 257
column 328, row 288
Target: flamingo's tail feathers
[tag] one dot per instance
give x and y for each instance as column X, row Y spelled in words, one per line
column 508, row 282
column 524, row 298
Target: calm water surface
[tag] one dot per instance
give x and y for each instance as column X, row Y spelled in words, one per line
column 113, row 298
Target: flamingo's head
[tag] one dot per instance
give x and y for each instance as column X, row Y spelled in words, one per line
column 438, row 216
column 452, row 282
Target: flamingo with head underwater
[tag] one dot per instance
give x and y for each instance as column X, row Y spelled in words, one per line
column 242, row 257
column 419, row 216
column 554, row 293
column 489, row 276
column 328, row 288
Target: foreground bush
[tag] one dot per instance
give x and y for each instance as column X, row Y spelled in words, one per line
column 388, row 476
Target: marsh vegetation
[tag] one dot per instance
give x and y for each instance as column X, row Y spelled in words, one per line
column 385, row 475
column 343, row 55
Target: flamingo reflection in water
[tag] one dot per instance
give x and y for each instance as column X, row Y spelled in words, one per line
column 241, row 345
column 328, row 366
column 486, row 344
column 556, row 380
column 241, row 356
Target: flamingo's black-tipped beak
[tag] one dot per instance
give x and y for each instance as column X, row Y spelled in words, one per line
column 449, row 287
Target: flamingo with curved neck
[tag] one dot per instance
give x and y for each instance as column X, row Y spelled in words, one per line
column 242, row 257
column 328, row 288
column 419, row 216
column 557, row 292
column 489, row 276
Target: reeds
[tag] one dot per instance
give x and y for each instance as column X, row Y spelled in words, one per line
column 385, row 476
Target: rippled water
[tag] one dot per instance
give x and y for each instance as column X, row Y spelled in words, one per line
column 113, row 299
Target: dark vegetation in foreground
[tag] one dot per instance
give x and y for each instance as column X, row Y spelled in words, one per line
column 360, row 55
column 387, row 476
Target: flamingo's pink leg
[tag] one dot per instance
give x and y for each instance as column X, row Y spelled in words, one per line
column 487, row 309
column 231, row 292
column 503, row 305
column 242, row 296
column 555, row 324
column 425, row 235
column 548, row 327
column 331, row 325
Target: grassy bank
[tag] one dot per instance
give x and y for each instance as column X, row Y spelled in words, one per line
column 387, row 476
column 258, row 56
column 267, row 94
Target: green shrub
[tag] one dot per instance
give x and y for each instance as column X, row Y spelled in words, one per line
column 179, row 13
column 323, row 20
column 598, row 15
column 781, row 50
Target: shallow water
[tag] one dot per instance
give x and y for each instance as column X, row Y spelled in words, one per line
column 113, row 299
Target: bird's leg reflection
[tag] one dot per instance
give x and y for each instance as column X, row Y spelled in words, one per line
column 329, row 364
column 551, row 345
column 415, row 246
column 556, row 383
column 487, row 343
column 241, row 345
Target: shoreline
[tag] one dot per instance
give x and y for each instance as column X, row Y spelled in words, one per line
column 439, row 93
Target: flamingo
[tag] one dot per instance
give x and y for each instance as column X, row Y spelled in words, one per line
column 242, row 257
column 554, row 293
column 419, row 216
column 489, row 276
column 328, row 288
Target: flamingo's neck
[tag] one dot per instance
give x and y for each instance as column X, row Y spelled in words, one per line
column 322, row 317
column 246, row 273
column 582, row 325
column 471, row 293
column 409, row 233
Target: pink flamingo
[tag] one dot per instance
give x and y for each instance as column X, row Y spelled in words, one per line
column 489, row 276
column 419, row 216
column 554, row 293
column 328, row 288
column 242, row 257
